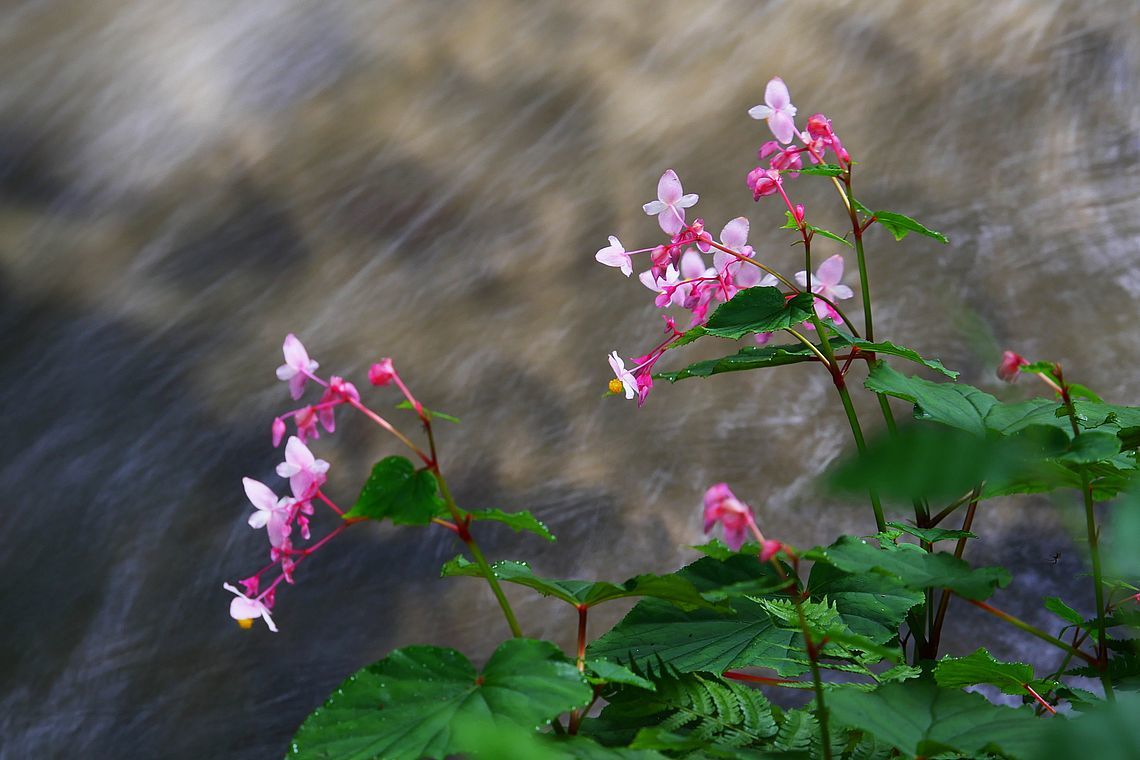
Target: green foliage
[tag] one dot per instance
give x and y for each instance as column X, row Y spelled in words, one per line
column 398, row 491
column 900, row 226
column 671, row 588
column 488, row 739
column 920, row 719
column 404, row 706
column 516, row 521
column 932, row 535
column 430, row 413
column 1108, row 731
column 695, row 706
column 755, row 310
column 822, row 170
column 913, row 567
column 981, row 667
column 870, row 605
column 830, row 235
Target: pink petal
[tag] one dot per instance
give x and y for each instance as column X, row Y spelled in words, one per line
column 259, row 494
column 649, row 280
column 759, row 112
column 297, row 385
column 776, row 94
column 692, row 265
column 298, row 453
column 830, row 272
column 295, row 354
column 840, row 292
column 783, row 126
column 671, row 220
column 669, row 187
column 735, row 233
column 801, row 278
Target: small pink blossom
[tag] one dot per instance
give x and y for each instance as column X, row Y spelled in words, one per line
column 306, row 421
column 763, row 182
column 626, row 378
column 769, row 548
column 278, row 431
column 722, row 506
column 777, row 110
column 340, row 391
column 670, row 204
column 297, row 367
column 305, row 472
column 1010, row 367
column 272, row 512
column 244, row 609
column 664, row 286
column 614, row 255
column 382, row 372
column 826, row 283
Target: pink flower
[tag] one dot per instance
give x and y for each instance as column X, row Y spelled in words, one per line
column 339, row 391
column 769, row 548
column 382, row 372
column 614, row 255
column 742, row 275
column 297, row 367
column 664, row 286
column 777, row 110
column 306, row 422
column 272, row 513
column 670, row 204
column 1010, row 367
column 763, row 182
column 244, row 609
column 826, row 283
column 626, row 379
column 722, row 506
column 278, row 431
column 305, row 472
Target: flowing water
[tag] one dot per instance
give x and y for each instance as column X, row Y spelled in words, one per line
column 185, row 182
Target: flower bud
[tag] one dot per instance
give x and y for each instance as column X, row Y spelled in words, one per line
column 381, row 373
column 769, row 549
column 278, row 431
column 1010, row 366
column 819, row 127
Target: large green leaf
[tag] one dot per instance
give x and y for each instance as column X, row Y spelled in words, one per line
column 757, row 310
column 671, row 588
column 871, row 605
column 981, row 667
column 404, row 706
column 912, row 566
column 397, row 490
column 486, row 739
column 516, row 521
column 900, row 226
column 902, row 352
column 821, row 170
column 932, row 535
column 920, row 719
column 1108, row 732
column 954, row 404
column 747, row 358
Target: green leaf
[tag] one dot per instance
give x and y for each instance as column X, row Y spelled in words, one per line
column 821, row 170
column 700, row 705
column 707, row 640
column 487, row 739
column 981, row 667
column 954, row 404
column 1091, row 447
column 717, row 549
column 900, row 226
column 920, row 719
column 672, row 588
column 830, row 235
column 515, row 520
column 397, row 490
column 607, row 672
column 871, row 605
column 932, row 535
column 1063, row 611
column 429, row 412
column 1121, row 557
column 914, row 567
column 758, row 310
column 404, row 706
column 748, row 358
column 1108, row 731
column 861, row 208
column 886, row 347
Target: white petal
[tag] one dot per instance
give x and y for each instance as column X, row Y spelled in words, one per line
column 259, row 518
column 259, row 494
column 654, row 207
column 759, row 112
column 649, row 281
column 840, row 293
column 287, row 469
column 284, row 372
column 688, row 200
column 801, row 278
column 268, row 620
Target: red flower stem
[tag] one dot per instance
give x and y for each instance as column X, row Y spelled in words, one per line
column 931, row 650
column 1034, row 631
column 328, row 501
column 388, row 426
column 1038, row 697
column 736, row 675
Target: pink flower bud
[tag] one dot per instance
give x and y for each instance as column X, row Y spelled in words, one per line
column 381, row 373
column 819, row 127
column 799, row 212
column 278, row 433
column 722, row 506
column 769, row 548
column 251, row 585
column 1010, row 366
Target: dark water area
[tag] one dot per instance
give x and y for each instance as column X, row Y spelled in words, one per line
column 183, row 183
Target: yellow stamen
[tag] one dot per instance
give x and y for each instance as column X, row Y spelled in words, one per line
column 616, row 386
column 246, row 623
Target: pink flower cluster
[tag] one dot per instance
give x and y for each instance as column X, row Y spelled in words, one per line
column 722, row 506
column 286, row 517
column 680, row 275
